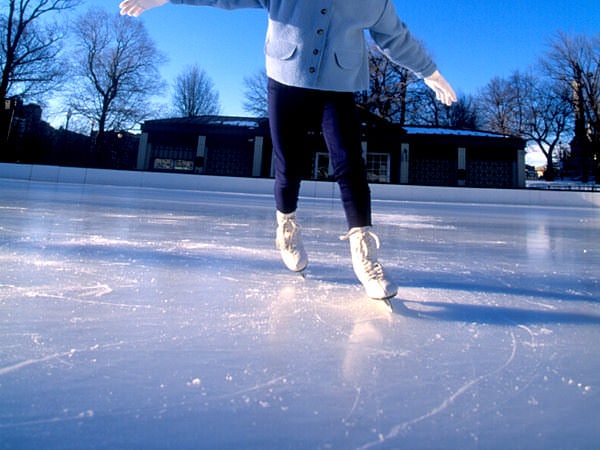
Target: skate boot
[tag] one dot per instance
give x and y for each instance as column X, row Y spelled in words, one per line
column 289, row 242
column 363, row 246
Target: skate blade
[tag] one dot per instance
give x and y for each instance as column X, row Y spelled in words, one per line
column 386, row 303
column 302, row 272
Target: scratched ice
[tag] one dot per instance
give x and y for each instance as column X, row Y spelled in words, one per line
column 146, row 318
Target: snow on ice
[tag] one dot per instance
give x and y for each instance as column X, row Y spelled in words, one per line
column 151, row 318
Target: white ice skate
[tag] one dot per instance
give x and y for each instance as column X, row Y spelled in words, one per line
column 363, row 246
column 289, row 242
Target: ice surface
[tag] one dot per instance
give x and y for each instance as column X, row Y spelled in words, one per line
column 148, row 318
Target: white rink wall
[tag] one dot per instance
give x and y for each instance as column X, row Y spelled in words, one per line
column 314, row 189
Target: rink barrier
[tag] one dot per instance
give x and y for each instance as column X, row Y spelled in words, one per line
column 310, row 189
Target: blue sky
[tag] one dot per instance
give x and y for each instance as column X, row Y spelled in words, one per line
column 471, row 41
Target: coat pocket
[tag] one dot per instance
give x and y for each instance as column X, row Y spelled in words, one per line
column 348, row 59
column 280, row 49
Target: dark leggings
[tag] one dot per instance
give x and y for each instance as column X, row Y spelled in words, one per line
column 293, row 112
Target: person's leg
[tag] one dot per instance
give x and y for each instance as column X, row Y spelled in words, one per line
column 288, row 116
column 341, row 129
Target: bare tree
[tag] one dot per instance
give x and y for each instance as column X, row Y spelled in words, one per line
column 546, row 120
column 527, row 106
column 388, row 94
column 397, row 95
column 424, row 109
column 30, row 46
column 116, row 70
column 255, row 94
column 499, row 105
column 573, row 62
column 463, row 115
column 194, row 94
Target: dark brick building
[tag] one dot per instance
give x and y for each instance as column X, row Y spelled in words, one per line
column 240, row 146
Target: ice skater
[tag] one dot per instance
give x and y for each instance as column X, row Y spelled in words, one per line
column 316, row 58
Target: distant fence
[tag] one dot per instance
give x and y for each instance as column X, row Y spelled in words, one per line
column 564, row 186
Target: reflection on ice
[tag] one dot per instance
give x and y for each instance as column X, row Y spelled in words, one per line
column 144, row 318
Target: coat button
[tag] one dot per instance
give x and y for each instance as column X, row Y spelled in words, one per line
column 320, row 31
column 316, row 51
column 312, row 70
column 324, row 11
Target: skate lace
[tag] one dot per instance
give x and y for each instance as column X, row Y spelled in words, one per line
column 366, row 246
column 287, row 235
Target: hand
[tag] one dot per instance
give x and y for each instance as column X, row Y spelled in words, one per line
column 443, row 91
column 136, row 7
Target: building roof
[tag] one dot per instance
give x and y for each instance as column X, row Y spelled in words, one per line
column 453, row 132
column 368, row 120
column 228, row 121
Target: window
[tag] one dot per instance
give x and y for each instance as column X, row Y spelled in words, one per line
column 378, row 167
column 163, row 164
column 183, row 165
column 321, row 169
column 180, row 165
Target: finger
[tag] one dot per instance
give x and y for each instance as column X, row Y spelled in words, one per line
column 130, row 8
column 444, row 98
column 124, row 9
column 125, row 6
column 131, row 11
column 447, row 95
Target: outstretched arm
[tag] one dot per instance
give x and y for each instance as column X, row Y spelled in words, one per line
column 443, row 91
column 396, row 42
column 136, row 7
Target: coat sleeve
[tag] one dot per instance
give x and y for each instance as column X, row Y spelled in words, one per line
column 225, row 4
column 397, row 43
